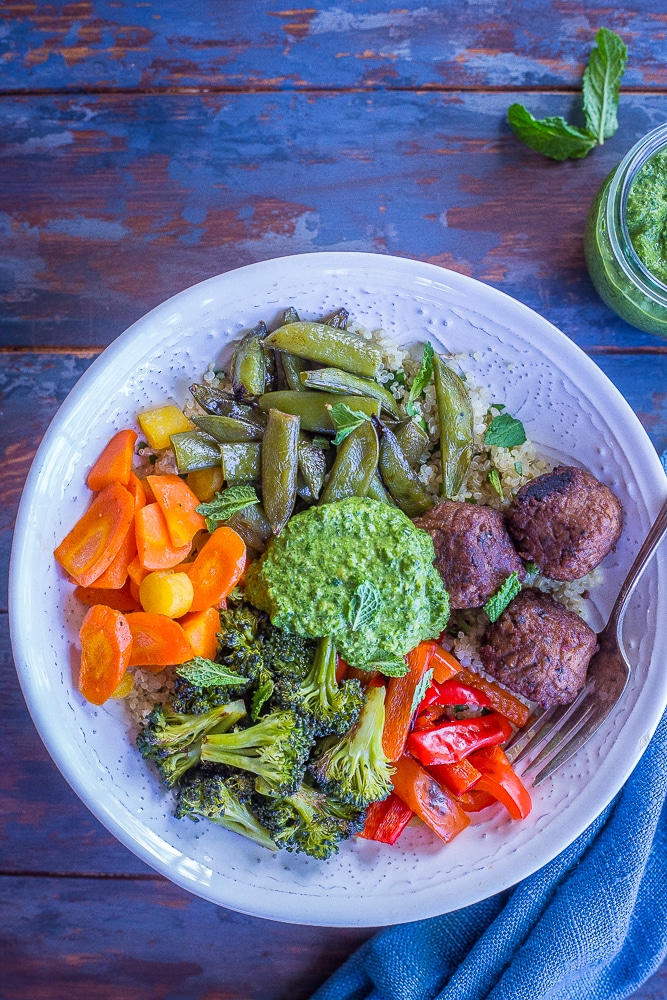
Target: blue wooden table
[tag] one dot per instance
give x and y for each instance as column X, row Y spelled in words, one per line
column 145, row 146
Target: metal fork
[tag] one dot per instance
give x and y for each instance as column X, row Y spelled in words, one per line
column 555, row 734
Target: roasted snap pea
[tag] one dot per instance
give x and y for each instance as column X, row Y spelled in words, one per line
column 248, row 368
column 312, row 465
column 303, row 490
column 355, row 465
column 252, row 525
column 414, row 441
column 220, row 403
column 336, row 380
column 292, row 368
column 407, row 490
column 376, row 490
column 229, row 430
column 241, row 463
column 194, row 450
column 280, row 464
column 338, row 319
column 330, row 346
column 290, row 316
column 456, row 427
column 311, row 407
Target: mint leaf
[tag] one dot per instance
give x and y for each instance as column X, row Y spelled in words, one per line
column 365, row 604
column 507, row 591
column 207, row 673
column 421, row 689
column 494, row 479
column 518, row 468
column 602, row 81
column 225, row 503
column 551, row 136
column 392, row 666
column 505, row 431
column 262, row 693
column 421, row 380
column 345, row 420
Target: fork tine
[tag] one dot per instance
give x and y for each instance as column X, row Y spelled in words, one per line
column 524, row 735
column 553, row 725
column 589, row 725
column 562, row 739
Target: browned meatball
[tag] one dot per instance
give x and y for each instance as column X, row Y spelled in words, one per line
column 473, row 552
column 539, row 649
column 565, row 521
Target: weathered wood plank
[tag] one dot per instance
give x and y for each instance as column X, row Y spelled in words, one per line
column 80, row 938
column 107, row 45
column 111, row 204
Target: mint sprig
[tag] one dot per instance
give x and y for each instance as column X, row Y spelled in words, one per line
column 507, row 591
column 226, row 503
column 505, row 431
column 345, row 420
column 556, row 138
column 421, row 380
column 366, row 603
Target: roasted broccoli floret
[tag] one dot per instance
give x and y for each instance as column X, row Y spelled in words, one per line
column 173, row 740
column 275, row 749
column 354, row 767
column 240, row 645
column 203, row 684
column 333, row 708
column 286, row 655
column 309, row 821
column 210, row 796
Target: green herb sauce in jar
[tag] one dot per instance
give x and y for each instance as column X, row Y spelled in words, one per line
column 646, row 215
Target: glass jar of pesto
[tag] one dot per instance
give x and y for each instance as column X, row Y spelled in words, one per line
column 626, row 236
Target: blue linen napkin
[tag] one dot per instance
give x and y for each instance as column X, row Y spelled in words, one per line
column 591, row 925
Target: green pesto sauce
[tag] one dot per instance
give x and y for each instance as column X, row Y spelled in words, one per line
column 307, row 579
column 646, row 215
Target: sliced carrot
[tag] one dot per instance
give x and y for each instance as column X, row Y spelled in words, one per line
column 404, row 695
column 445, row 665
column 136, row 571
column 134, row 591
column 115, row 463
column 115, row 575
column 218, row 568
column 96, row 537
column 432, row 803
column 157, row 641
column 457, row 778
column 178, row 504
column 138, row 491
column 106, row 647
column 119, row 600
column 201, row 629
column 153, row 543
column 502, row 700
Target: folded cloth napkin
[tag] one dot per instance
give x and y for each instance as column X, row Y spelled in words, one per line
column 590, row 925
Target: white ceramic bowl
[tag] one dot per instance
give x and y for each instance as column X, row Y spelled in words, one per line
column 569, row 409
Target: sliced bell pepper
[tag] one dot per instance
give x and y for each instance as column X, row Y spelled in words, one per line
column 455, row 739
column 386, row 820
column 457, row 778
column 499, row 779
column 474, row 800
column 454, row 692
column 432, row 803
column 501, row 699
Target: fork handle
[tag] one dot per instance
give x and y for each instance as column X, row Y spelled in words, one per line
column 655, row 536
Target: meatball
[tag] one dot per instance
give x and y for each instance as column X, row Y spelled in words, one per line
column 539, row 649
column 565, row 521
column 473, row 552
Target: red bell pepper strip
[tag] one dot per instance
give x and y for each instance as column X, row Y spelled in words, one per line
column 501, row 699
column 432, row 803
column 457, row 778
column 386, row 820
column 474, row 800
column 430, row 717
column 453, row 740
column 454, row 692
column 500, row 780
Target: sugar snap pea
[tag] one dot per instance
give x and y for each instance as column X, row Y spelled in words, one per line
column 248, row 368
column 336, row 380
column 292, row 368
column 229, row 429
column 311, row 407
column 303, row 490
column 194, row 450
column 376, row 490
column 280, row 463
column 330, row 346
column 414, row 441
column 407, row 490
column 312, row 464
column 241, row 463
column 252, row 525
column 355, row 465
column 456, row 427
column 338, row 319
column 220, row 403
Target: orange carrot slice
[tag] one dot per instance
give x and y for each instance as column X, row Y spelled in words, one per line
column 106, row 646
column 201, row 629
column 178, row 503
column 403, row 697
column 153, row 543
column 157, row 641
column 138, row 491
column 115, row 463
column 136, row 571
column 218, row 568
column 445, row 665
column 119, row 600
column 115, row 575
column 502, row 700
column 95, row 539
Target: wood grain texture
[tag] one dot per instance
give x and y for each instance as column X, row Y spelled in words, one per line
column 77, row 938
column 109, row 205
column 84, row 45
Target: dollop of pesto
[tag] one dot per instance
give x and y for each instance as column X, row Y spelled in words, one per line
column 358, row 570
column 646, row 215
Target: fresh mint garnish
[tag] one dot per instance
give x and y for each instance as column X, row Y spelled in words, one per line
column 507, row 591
column 505, row 431
column 225, row 503
column 421, row 380
column 518, row 468
column 421, row 689
column 207, row 673
column 556, row 138
column 345, row 420
column 494, row 479
column 391, row 666
column 365, row 604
